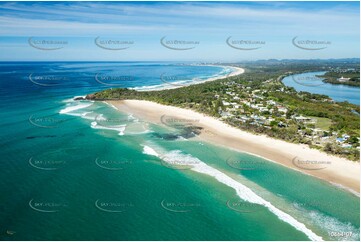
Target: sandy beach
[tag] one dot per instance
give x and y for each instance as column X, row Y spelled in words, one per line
column 336, row 170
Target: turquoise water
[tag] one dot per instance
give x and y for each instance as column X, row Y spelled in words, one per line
column 309, row 82
column 80, row 170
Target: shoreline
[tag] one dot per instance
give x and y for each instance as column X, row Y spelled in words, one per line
column 170, row 85
column 337, row 171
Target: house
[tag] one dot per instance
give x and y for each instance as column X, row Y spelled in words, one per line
column 282, row 109
column 346, row 136
column 271, row 102
column 236, row 105
column 226, row 114
column 343, row 79
column 346, row 146
column 281, row 124
column 263, row 109
column 340, row 140
column 302, row 119
column 244, row 118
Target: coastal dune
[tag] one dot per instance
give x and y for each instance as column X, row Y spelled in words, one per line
column 336, row 170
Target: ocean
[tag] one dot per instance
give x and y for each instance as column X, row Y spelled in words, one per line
column 81, row 170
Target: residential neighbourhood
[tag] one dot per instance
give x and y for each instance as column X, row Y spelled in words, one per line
column 239, row 103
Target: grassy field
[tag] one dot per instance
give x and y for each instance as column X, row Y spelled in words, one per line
column 322, row 123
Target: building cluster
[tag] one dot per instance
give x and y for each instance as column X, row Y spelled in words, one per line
column 240, row 103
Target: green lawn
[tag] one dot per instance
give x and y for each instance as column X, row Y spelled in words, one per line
column 322, row 123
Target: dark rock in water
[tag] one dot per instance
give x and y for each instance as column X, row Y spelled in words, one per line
column 49, row 136
column 166, row 136
column 45, row 136
column 192, row 130
column 79, row 98
column 184, row 132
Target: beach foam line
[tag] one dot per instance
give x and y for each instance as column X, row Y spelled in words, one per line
column 111, row 105
column 74, row 108
column 85, row 115
column 242, row 191
column 119, row 128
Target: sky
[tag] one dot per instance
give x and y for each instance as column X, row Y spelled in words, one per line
column 205, row 31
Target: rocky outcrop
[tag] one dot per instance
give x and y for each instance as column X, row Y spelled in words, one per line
column 90, row 97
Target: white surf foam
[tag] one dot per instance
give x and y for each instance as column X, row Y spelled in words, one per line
column 85, row 115
column 74, row 108
column 70, row 100
column 181, row 138
column 119, row 128
column 335, row 226
column 242, row 191
column 138, row 133
column 149, row 151
column 111, row 105
column 100, row 117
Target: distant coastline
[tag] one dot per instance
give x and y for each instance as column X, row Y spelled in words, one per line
column 173, row 85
